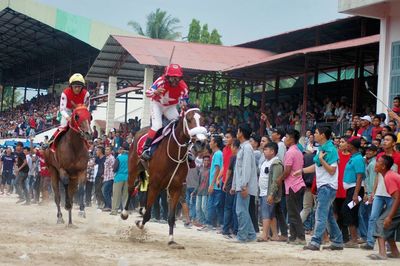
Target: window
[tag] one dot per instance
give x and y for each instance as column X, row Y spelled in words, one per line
column 395, row 72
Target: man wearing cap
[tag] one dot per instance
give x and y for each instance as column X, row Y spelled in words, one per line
column 354, row 174
column 366, row 229
column 366, row 128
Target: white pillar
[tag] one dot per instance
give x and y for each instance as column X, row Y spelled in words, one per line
column 110, row 115
column 384, row 66
column 148, row 81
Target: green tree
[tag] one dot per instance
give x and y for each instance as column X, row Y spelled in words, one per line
column 215, row 38
column 7, row 100
column 194, row 31
column 204, row 35
column 159, row 25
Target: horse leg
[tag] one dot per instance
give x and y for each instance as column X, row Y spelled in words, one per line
column 133, row 173
column 56, row 189
column 152, row 195
column 175, row 194
column 70, row 190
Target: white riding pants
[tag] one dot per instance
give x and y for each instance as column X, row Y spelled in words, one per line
column 64, row 121
column 157, row 110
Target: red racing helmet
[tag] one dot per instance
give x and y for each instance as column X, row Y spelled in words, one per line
column 174, row 70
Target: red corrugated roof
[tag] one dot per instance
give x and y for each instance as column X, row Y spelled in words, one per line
column 317, row 49
column 194, row 56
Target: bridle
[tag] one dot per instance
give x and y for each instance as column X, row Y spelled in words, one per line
column 74, row 125
column 182, row 158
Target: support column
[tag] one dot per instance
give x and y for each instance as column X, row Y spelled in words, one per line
column 214, row 88
column 126, row 108
column 355, row 84
column 13, row 96
column 242, row 94
column 228, row 94
column 25, row 94
column 305, row 99
column 316, row 81
column 112, row 91
column 262, row 123
column 277, row 82
column 148, row 81
column 2, row 97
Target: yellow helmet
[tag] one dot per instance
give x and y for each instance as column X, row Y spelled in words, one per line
column 77, row 79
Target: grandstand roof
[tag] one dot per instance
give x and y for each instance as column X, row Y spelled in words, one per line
column 126, row 56
column 39, row 43
column 322, row 49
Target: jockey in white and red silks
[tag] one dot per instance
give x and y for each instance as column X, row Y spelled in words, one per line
column 75, row 94
column 166, row 93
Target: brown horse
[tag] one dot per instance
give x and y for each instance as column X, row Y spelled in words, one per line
column 69, row 163
column 168, row 166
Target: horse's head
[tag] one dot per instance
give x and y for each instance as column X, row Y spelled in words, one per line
column 80, row 121
column 193, row 127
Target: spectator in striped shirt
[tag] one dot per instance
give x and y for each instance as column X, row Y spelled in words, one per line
column 108, row 180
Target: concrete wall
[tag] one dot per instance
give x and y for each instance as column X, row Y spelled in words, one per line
column 390, row 33
column 347, row 5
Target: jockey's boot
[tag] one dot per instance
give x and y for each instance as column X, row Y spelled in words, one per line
column 146, row 149
column 191, row 157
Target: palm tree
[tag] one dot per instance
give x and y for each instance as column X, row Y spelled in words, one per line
column 159, row 26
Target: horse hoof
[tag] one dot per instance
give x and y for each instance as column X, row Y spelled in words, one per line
column 139, row 224
column 174, row 245
column 71, row 226
column 82, row 214
column 60, row 221
column 124, row 215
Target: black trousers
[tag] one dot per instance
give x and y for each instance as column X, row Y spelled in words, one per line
column 281, row 219
column 98, row 192
column 156, row 209
column 294, row 206
column 88, row 192
column 253, row 213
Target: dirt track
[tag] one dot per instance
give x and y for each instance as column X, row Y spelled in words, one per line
column 30, row 236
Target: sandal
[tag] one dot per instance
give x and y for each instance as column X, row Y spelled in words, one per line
column 262, row 239
column 377, row 257
column 390, row 255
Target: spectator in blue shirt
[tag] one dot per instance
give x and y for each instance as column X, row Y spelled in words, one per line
column 354, row 174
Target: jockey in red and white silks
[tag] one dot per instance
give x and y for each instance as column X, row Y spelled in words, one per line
column 72, row 96
column 166, row 93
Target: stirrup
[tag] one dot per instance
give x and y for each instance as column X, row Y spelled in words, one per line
column 146, row 155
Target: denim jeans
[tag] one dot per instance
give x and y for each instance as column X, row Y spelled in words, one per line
column 230, row 218
column 378, row 205
column 107, row 190
column 215, row 208
column 324, row 218
column 363, row 217
column 191, row 202
column 201, row 209
column 22, row 188
column 246, row 230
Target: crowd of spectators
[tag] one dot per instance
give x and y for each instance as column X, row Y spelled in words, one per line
column 243, row 180
column 26, row 119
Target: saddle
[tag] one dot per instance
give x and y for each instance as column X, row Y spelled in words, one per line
column 61, row 131
column 160, row 135
column 58, row 134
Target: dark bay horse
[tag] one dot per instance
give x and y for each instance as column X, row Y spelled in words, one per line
column 168, row 166
column 69, row 163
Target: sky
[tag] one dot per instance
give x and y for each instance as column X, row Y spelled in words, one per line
column 237, row 21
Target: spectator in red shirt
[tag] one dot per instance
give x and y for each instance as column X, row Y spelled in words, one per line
column 389, row 141
column 229, row 199
column 376, row 123
column 389, row 221
column 344, row 157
